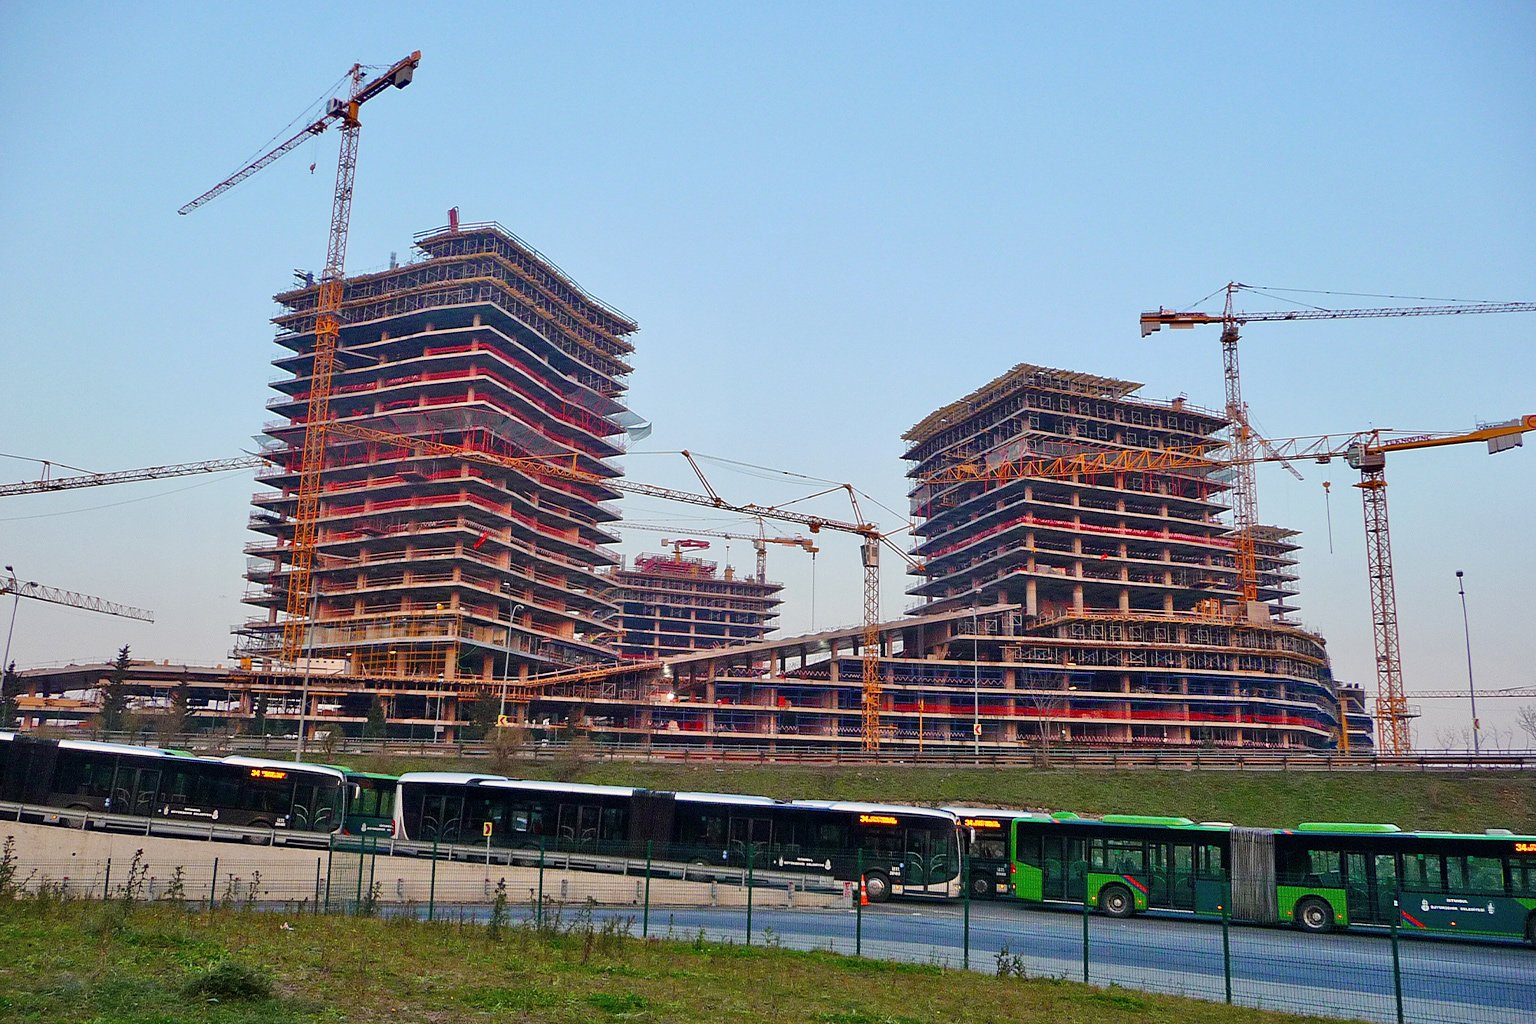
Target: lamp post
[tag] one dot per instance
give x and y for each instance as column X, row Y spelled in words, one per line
column 1467, row 630
column 5, row 662
column 506, row 670
column 309, row 660
column 976, row 680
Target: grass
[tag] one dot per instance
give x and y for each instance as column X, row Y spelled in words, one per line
column 165, row 966
column 1450, row 801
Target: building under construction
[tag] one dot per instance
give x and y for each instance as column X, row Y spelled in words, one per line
column 427, row 565
column 673, row 604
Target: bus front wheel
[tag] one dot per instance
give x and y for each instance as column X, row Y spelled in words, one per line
column 877, row 887
column 1314, row 915
column 981, row 886
column 1116, row 901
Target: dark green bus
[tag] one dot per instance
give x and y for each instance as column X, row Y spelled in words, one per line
column 1317, row 876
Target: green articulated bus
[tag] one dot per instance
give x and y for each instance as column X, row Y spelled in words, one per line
column 1317, row 876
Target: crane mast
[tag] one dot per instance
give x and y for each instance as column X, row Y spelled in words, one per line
column 1365, row 451
column 328, row 300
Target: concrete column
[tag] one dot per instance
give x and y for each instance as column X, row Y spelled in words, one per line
column 1031, row 596
column 1077, row 593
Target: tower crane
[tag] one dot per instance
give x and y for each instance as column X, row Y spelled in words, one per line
column 760, row 542
column 53, row 595
column 67, row 483
column 1365, row 451
column 327, row 318
column 565, row 469
column 679, row 546
column 1244, row 441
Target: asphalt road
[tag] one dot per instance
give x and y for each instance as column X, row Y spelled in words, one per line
column 1338, row 975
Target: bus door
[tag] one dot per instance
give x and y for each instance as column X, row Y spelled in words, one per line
column 579, row 823
column 442, row 815
column 755, row 831
column 925, row 859
column 1172, row 876
column 1370, row 883
column 1063, row 868
column 134, row 789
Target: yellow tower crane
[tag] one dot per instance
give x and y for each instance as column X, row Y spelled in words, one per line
column 327, row 324
column 1365, row 451
column 1244, row 442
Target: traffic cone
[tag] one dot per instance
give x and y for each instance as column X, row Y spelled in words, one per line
column 863, row 895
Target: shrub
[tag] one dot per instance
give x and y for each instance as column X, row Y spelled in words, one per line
column 228, row 979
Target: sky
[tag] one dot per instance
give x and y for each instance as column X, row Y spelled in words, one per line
column 829, row 220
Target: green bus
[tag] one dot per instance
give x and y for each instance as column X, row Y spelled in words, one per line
column 1317, row 877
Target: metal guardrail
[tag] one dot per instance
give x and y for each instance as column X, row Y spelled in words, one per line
column 783, row 753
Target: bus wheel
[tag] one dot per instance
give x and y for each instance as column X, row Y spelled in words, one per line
column 877, row 887
column 74, row 822
column 1314, row 915
column 1116, row 901
column 258, row 840
column 981, row 886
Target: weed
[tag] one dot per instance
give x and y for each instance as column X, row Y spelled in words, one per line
column 8, row 887
column 176, row 888
column 132, row 888
column 499, row 910
column 1010, row 964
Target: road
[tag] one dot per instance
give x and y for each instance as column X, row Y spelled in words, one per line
column 1338, row 975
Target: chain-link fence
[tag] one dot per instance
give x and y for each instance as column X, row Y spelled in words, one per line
column 1382, row 975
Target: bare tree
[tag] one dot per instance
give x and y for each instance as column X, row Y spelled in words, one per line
column 1525, row 718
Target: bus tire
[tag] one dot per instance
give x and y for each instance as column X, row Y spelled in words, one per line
column 71, row 820
column 1313, row 914
column 1116, row 901
column 981, row 887
column 258, row 840
column 877, row 887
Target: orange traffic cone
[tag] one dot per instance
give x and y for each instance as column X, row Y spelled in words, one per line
column 863, row 895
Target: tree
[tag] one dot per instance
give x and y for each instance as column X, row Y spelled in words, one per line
column 482, row 717
column 259, row 714
column 10, row 689
column 114, row 696
column 375, row 727
column 1525, row 718
column 174, row 721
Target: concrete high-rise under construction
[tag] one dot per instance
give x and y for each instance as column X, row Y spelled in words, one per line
column 430, row 565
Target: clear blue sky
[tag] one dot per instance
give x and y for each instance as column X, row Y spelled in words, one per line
column 829, row 220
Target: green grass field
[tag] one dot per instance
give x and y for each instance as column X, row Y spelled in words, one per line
column 79, row 962
column 1455, row 801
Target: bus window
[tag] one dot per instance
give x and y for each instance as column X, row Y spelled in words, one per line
column 1213, row 862
column 1421, row 871
column 1522, row 876
column 989, row 846
column 1475, row 874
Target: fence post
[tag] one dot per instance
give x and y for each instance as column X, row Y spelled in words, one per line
column 330, row 853
column 1397, row 967
column 645, row 920
column 749, row 890
column 1226, row 939
column 1085, row 923
column 106, row 886
column 432, row 883
column 316, row 909
column 362, row 854
column 538, row 911
column 965, row 880
column 859, row 906
column 213, row 884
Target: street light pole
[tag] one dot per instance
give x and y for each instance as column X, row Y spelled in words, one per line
column 976, row 680
column 1467, row 630
column 506, row 670
column 309, row 660
column 5, row 662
